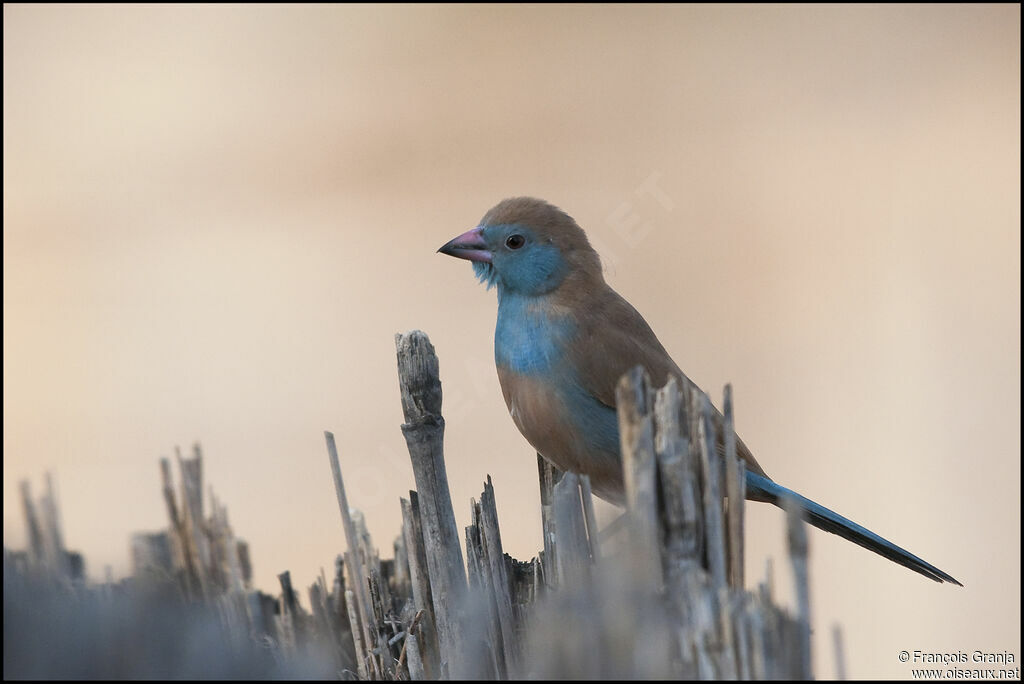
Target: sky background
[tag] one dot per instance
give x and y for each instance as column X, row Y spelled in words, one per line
column 217, row 217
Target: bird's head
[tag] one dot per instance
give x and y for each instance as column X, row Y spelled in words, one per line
column 527, row 246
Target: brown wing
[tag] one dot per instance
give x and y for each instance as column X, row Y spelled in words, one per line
column 615, row 339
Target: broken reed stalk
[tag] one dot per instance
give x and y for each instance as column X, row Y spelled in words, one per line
column 495, row 557
column 736, row 491
column 570, row 532
column 416, row 556
column 357, row 633
column 798, row 551
column 192, row 516
column 710, row 469
column 588, row 515
column 35, row 533
column 549, row 476
column 634, row 399
column 354, row 563
column 840, row 652
column 420, row 386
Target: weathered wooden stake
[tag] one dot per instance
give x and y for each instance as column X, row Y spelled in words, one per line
column 354, row 563
column 412, row 530
column 798, row 552
column 495, row 556
column 549, row 476
column 735, row 490
column 840, row 652
column 635, row 402
column 420, row 386
column 711, row 471
column 571, row 543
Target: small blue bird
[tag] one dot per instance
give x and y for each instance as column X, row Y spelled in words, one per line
column 564, row 338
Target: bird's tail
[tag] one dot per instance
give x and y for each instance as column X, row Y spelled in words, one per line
column 762, row 489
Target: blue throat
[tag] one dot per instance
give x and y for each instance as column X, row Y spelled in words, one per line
column 527, row 339
column 485, row 273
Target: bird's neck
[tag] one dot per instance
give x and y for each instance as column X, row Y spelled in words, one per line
column 532, row 332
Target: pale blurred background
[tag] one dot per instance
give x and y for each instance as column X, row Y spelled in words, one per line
column 216, row 218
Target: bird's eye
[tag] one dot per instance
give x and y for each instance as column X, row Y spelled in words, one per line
column 515, row 241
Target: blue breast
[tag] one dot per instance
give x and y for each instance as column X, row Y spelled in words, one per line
column 531, row 339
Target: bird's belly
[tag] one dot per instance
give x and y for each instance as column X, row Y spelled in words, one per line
column 567, row 426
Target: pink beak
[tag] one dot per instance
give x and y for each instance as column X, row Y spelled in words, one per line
column 470, row 245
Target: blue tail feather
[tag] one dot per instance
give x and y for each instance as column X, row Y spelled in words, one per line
column 762, row 489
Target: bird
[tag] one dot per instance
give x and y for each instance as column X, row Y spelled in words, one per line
column 564, row 337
